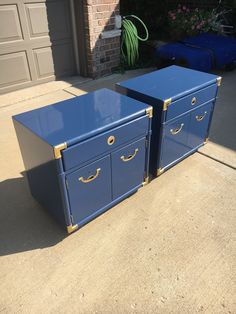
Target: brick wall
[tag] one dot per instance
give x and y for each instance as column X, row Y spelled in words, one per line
column 103, row 54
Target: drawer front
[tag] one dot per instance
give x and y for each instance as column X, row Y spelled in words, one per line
column 175, row 140
column 191, row 102
column 128, row 167
column 89, row 189
column 105, row 142
column 199, row 125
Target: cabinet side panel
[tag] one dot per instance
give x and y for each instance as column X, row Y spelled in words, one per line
column 42, row 171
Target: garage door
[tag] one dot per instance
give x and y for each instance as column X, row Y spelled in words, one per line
column 36, row 42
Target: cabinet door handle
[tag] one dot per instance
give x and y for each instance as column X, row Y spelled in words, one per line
column 201, row 117
column 177, row 130
column 90, row 178
column 130, row 157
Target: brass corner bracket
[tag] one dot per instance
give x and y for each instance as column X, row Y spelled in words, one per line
column 160, row 171
column 58, row 148
column 206, row 140
column 219, row 80
column 146, row 181
column 166, row 103
column 72, row 228
column 149, row 111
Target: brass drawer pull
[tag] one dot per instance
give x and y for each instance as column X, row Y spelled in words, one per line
column 177, row 130
column 194, row 100
column 111, row 140
column 201, row 117
column 130, row 157
column 90, row 178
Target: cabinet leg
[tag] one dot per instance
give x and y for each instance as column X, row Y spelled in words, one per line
column 146, row 181
column 160, row 171
column 206, row 140
column 72, row 228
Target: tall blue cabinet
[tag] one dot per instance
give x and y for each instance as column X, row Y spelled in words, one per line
column 183, row 102
column 86, row 154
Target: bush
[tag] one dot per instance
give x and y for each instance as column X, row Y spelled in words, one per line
column 184, row 21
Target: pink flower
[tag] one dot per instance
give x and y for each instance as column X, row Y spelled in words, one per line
column 187, row 10
column 193, row 27
column 198, row 26
column 173, row 17
column 184, row 8
column 179, row 11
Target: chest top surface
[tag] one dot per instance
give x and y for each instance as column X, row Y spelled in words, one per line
column 171, row 82
column 81, row 117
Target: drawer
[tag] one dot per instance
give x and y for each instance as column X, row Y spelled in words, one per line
column 199, row 125
column 128, row 166
column 175, row 140
column 89, row 189
column 105, row 142
column 190, row 102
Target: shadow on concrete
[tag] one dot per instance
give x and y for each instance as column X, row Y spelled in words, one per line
column 223, row 127
column 25, row 225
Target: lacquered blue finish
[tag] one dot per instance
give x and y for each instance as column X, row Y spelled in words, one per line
column 88, row 176
column 175, row 145
column 186, row 92
column 128, row 172
column 172, row 82
column 97, row 145
column 86, row 198
column 199, row 129
column 81, row 117
column 42, row 171
column 184, row 104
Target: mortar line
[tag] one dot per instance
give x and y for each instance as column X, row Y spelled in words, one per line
column 217, row 160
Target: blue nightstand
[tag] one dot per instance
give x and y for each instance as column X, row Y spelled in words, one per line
column 86, row 154
column 183, row 102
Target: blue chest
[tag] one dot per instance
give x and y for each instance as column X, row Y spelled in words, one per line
column 183, row 102
column 84, row 155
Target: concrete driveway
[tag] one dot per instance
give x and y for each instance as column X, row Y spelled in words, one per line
column 170, row 248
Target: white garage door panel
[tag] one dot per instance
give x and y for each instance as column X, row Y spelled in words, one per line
column 37, row 19
column 10, row 29
column 35, row 42
column 14, row 69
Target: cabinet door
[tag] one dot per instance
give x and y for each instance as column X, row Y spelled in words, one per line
column 175, row 140
column 199, row 124
column 89, row 189
column 128, row 167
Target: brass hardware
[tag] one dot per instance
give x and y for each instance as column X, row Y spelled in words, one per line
column 130, row 157
column 58, row 148
column 149, row 111
column 219, row 80
column 206, row 140
column 194, row 100
column 111, row 140
column 72, row 228
column 146, row 181
column 166, row 103
column 160, row 171
column 201, row 117
column 177, row 130
column 90, row 178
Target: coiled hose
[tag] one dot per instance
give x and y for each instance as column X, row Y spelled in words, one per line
column 130, row 39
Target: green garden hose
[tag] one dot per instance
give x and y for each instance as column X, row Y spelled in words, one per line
column 130, row 38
